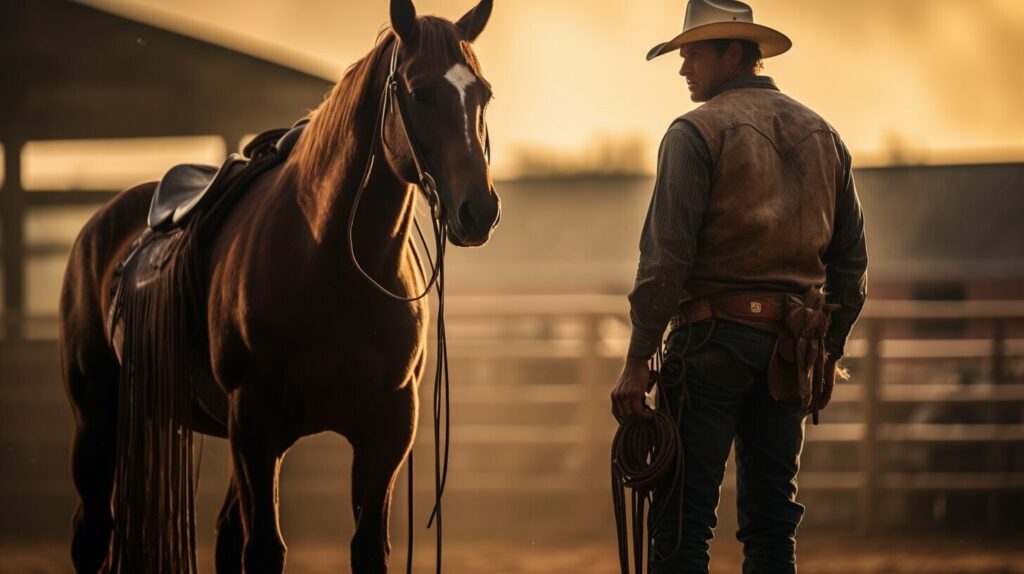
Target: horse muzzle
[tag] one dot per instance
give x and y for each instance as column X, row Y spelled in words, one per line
column 473, row 221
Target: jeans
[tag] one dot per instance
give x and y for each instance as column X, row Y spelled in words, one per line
column 728, row 399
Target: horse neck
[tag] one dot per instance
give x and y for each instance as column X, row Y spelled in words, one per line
column 385, row 210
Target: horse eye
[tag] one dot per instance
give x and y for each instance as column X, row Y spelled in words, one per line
column 422, row 96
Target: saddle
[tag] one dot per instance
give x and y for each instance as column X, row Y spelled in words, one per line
column 159, row 290
column 185, row 188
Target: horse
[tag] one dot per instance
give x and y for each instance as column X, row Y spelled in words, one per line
column 300, row 340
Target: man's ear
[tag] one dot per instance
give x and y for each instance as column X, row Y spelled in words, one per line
column 734, row 53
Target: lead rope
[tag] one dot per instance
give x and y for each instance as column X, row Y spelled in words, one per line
column 441, row 397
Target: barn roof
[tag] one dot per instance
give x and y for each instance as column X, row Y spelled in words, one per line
column 71, row 71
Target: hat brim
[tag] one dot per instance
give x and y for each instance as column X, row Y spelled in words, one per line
column 771, row 41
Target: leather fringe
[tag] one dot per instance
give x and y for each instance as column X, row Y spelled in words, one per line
column 154, row 490
column 164, row 319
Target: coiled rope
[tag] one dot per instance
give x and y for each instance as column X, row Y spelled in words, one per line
column 648, row 458
column 644, row 454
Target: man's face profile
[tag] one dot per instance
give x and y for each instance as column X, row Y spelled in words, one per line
column 704, row 69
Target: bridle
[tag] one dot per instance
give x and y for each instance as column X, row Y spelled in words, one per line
column 391, row 101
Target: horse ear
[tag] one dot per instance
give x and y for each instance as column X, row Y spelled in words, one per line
column 474, row 21
column 403, row 21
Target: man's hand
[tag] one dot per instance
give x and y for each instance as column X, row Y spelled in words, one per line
column 628, row 394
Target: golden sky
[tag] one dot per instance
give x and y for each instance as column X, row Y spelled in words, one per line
column 928, row 81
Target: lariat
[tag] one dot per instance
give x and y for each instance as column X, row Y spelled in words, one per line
column 646, row 453
column 648, row 458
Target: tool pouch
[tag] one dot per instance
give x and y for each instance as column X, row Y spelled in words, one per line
column 796, row 372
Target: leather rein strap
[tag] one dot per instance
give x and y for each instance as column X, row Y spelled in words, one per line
column 391, row 100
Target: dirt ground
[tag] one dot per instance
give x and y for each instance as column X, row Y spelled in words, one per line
column 816, row 555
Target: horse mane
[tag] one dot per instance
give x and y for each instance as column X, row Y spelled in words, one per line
column 334, row 127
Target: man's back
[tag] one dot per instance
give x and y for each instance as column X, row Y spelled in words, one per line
column 776, row 172
column 753, row 249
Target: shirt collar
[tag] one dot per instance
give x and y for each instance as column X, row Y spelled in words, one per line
column 748, row 81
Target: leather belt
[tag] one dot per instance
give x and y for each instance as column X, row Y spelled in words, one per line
column 761, row 310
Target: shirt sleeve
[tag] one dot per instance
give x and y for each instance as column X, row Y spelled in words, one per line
column 668, row 240
column 846, row 262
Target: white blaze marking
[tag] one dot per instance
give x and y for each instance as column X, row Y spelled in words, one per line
column 462, row 77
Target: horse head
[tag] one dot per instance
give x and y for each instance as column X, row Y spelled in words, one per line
column 440, row 130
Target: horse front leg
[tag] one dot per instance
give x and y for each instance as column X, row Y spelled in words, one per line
column 378, row 453
column 230, row 538
column 257, row 451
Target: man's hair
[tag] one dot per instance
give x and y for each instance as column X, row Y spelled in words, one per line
column 751, row 60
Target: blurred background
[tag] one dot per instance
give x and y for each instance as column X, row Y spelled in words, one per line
column 918, row 465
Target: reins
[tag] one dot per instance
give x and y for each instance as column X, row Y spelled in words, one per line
column 391, row 99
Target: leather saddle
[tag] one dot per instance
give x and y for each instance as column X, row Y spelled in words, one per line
column 186, row 188
column 161, row 266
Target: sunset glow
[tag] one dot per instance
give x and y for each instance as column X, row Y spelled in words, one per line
column 913, row 81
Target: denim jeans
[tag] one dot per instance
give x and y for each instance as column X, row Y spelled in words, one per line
column 728, row 399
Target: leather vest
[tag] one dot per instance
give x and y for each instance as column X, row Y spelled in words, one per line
column 770, row 214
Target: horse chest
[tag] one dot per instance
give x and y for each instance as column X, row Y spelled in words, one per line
column 325, row 343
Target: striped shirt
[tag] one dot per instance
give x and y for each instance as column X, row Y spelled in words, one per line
column 668, row 241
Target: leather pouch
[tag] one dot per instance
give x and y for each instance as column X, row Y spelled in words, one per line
column 796, row 370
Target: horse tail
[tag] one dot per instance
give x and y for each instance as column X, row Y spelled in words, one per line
column 154, row 487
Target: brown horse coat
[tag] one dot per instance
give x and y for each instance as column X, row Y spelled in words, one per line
column 300, row 342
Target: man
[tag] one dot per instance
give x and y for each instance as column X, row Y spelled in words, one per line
column 753, row 225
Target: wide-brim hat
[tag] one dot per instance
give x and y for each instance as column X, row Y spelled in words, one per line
column 723, row 20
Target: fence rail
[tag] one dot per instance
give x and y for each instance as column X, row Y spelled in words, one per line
column 532, row 376
column 870, row 350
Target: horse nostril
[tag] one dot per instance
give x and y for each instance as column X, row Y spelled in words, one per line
column 466, row 217
column 477, row 217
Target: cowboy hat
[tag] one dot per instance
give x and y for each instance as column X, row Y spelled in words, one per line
column 723, row 20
